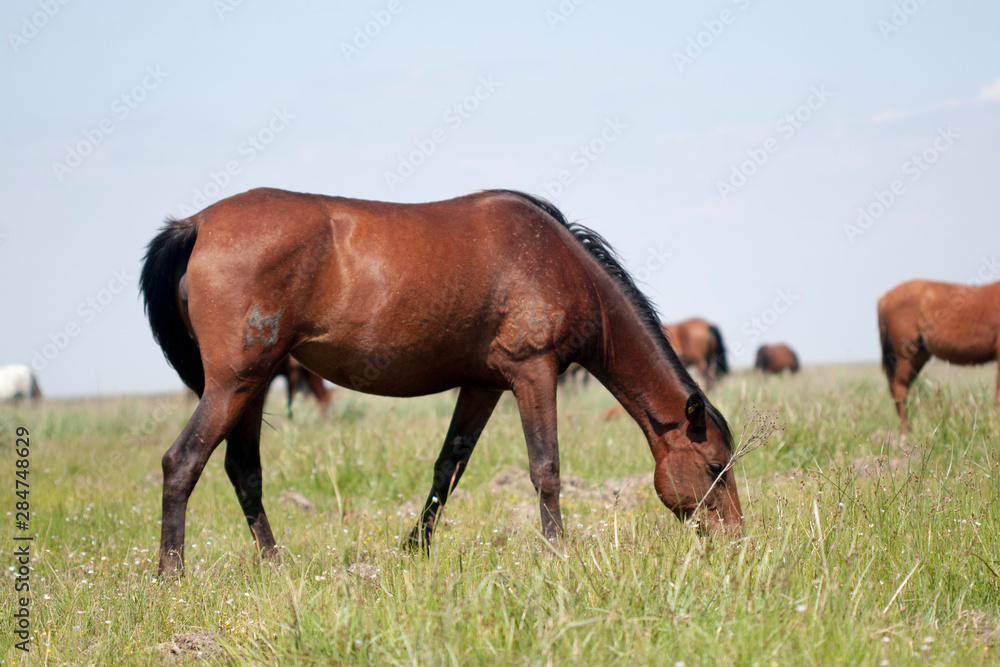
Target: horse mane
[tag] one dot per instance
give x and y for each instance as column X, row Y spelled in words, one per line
column 609, row 260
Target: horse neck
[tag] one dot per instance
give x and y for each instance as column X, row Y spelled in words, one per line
column 634, row 368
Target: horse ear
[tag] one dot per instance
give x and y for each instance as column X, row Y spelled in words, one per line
column 695, row 410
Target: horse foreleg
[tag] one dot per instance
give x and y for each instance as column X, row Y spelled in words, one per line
column 535, row 392
column 320, row 390
column 996, row 397
column 907, row 369
column 292, row 377
column 706, row 372
column 243, row 468
column 216, row 414
column 472, row 411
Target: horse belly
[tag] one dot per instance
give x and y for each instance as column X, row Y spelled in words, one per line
column 959, row 334
column 963, row 353
column 398, row 369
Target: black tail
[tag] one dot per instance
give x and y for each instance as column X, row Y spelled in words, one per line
column 718, row 360
column 888, row 354
column 166, row 261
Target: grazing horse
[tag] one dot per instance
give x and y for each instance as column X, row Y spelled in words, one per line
column 489, row 292
column 699, row 344
column 776, row 359
column 959, row 324
column 18, row 382
column 301, row 379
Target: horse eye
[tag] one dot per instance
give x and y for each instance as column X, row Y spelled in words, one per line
column 716, row 469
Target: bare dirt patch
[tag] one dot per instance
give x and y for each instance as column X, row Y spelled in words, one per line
column 190, row 645
column 517, row 482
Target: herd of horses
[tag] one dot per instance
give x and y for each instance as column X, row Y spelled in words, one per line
column 491, row 292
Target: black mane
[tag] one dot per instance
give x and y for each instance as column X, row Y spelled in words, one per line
column 606, row 256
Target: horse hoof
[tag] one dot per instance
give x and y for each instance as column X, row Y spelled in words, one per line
column 415, row 543
column 169, row 572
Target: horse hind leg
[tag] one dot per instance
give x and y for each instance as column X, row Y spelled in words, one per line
column 472, row 411
column 219, row 410
column 244, row 470
column 996, row 396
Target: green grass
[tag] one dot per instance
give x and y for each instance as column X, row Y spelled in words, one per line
column 857, row 548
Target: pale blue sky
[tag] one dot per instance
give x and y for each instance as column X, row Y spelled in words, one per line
column 674, row 134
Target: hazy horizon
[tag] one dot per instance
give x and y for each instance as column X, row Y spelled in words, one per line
column 772, row 167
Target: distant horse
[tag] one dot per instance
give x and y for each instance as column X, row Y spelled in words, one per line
column 575, row 375
column 699, row 344
column 959, row 324
column 489, row 292
column 18, row 382
column 776, row 359
column 301, row 380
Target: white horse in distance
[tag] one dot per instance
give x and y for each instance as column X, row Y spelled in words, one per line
column 17, row 382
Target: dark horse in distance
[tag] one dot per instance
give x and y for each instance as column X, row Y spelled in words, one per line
column 489, row 292
column 776, row 358
column 919, row 319
column 699, row 343
column 301, row 379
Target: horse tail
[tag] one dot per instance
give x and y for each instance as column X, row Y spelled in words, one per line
column 36, row 392
column 888, row 353
column 165, row 263
column 719, row 356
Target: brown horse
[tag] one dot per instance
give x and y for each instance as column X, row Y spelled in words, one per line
column 489, row 292
column 301, row 379
column 699, row 343
column 776, row 359
column 959, row 324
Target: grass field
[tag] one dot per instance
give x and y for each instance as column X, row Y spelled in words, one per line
column 858, row 549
